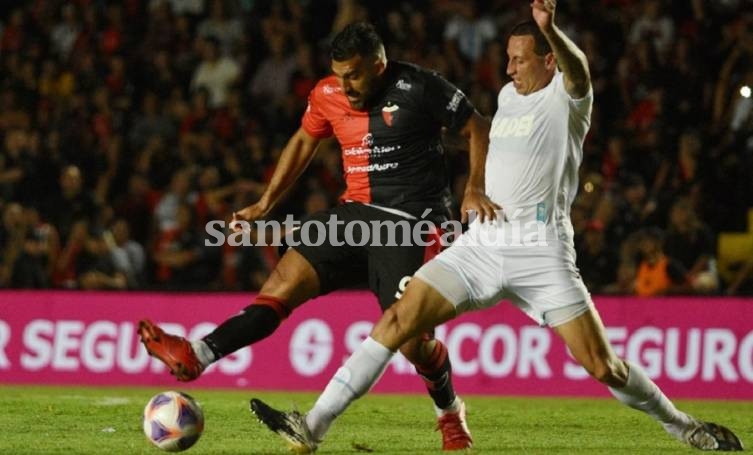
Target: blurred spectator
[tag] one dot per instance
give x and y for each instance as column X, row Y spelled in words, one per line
column 653, row 25
column 625, row 282
column 34, row 267
column 178, row 194
column 96, row 268
column 597, row 262
column 192, row 7
column 347, row 11
column 66, row 32
column 467, row 32
column 136, row 205
column 12, row 236
column 12, row 38
column 658, row 274
column 680, row 175
column 692, row 243
column 15, row 165
column 151, row 122
column 128, row 256
column 271, row 84
column 71, row 212
column 228, row 31
column 183, row 261
column 215, row 73
column 630, row 209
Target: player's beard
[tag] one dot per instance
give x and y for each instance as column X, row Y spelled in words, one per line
column 358, row 102
column 364, row 96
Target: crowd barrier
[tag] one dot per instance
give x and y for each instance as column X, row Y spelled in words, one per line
column 692, row 347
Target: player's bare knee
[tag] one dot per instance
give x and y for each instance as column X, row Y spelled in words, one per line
column 392, row 330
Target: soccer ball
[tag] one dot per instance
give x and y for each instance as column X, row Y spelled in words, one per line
column 173, row 421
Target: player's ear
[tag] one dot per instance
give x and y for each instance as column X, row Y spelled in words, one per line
column 550, row 62
column 379, row 66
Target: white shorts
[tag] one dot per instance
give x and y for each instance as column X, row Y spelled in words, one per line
column 543, row 281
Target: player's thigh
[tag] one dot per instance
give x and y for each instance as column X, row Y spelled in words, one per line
column 390, row 270
column 468, row 276
column 394, row 254
column 335, row 263
column 545, row 283
column 293, row 280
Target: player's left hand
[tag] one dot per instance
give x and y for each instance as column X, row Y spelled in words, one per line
column 543, row 12
column 476, row 201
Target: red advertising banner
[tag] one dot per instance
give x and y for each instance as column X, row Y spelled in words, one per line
column 692, row 347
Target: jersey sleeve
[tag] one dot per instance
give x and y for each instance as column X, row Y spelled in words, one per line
column 446, row 103
column 314, row 122
column 580, row 108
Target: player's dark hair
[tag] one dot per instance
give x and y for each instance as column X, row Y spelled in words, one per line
column 541, row 46
column 358, row 38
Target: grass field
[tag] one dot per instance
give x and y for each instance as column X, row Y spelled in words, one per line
column 77, row 420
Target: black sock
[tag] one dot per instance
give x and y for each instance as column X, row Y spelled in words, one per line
column 255, row 323
column 437, row 375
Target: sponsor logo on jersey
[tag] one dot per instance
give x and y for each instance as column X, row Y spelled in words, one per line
column 366, row 150
column 376, row 167
column 331, row 89
column 368, row 140
column 389, row 112
column 452, row 106
column 402, row 85
column 512, row 126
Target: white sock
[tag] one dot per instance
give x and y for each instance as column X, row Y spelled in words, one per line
column 203, row 353
column 641, row 393
column 453, row 407
column 356, row 377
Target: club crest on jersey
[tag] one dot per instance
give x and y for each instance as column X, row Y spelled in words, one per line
column 388, row 113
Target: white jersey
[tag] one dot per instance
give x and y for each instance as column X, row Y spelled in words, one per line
column 535, row 149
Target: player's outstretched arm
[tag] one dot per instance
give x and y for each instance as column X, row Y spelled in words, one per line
column 571, row 60
column 295, row 158
column 476, row 130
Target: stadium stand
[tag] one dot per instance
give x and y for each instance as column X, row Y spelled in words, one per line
column 126, row 126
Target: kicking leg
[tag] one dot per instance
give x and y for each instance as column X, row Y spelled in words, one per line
column 586, row 339
column 418, row 311
column 292, row 282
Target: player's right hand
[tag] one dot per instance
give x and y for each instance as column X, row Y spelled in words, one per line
column 250, row 214
column 477, row 204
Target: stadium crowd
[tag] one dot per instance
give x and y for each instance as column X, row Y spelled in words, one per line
column 126, row 126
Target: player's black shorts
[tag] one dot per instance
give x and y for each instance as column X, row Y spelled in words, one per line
column 386, row 269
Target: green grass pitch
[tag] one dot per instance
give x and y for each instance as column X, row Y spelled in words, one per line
column 88, row 420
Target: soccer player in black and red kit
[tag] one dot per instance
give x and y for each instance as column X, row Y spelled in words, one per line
column 388, row 117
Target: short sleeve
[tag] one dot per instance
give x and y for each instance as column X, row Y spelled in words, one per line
column 446, row 103
column 314, row 122
column 580, row 108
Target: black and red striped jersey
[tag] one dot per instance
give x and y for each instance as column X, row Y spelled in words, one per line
column 392, row 150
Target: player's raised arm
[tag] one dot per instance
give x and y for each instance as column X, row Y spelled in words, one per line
column 571, row 60
column 295, row 158
column 476, row 131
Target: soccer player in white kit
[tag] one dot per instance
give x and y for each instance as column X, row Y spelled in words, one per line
column 523, row 253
